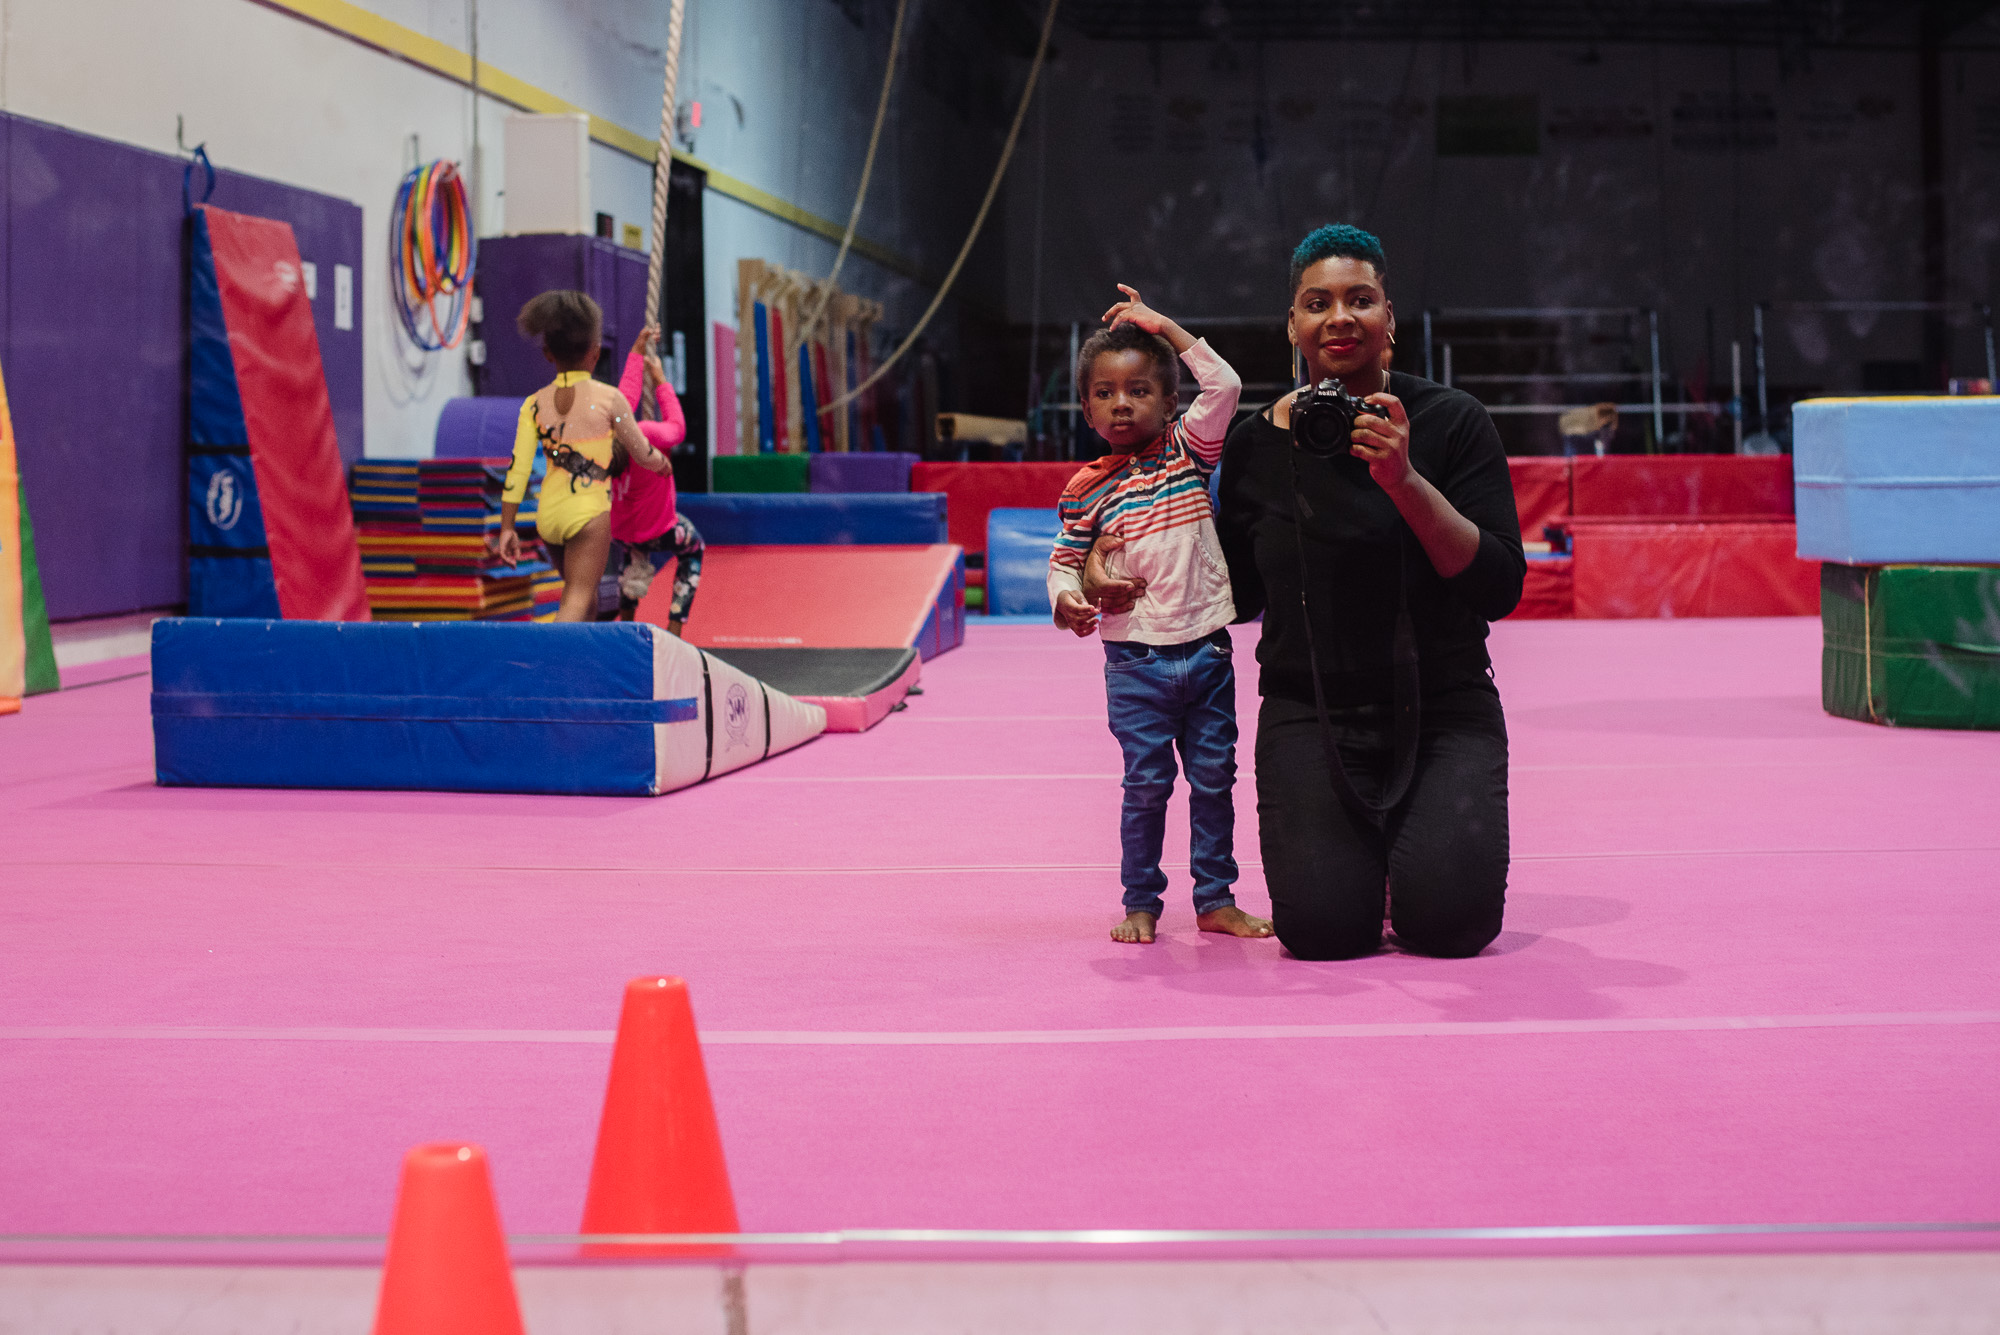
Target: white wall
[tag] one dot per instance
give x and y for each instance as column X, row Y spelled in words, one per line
column 275, row 96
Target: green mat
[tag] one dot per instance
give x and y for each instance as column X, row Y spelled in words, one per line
column 761, row 472
column 1917, row 646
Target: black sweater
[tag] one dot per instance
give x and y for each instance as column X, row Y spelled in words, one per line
column 1352, row 540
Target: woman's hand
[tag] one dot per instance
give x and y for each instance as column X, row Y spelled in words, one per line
column 508, row 546
column 1110, row 595
column 1382, row 440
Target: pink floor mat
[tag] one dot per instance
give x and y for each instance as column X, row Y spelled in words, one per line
column 1746, row 976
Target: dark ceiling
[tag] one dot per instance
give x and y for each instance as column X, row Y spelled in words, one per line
column 1791, row 23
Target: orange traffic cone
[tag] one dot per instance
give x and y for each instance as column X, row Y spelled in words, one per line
column 659, row 1162
column 447, row 1271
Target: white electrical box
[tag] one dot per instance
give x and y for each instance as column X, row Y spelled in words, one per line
column 548, row 175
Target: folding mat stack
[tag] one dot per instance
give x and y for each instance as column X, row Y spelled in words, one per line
column 1900, row 497
column 424, row 526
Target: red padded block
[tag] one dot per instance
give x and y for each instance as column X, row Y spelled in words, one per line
column 971, row 490
column 1744, row 568
column 1547, row 593
column 1541, row 493
column 1681, row 486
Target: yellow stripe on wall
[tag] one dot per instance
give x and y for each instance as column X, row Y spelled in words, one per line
column 353, row 22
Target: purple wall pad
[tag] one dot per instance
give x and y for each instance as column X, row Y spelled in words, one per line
column 860, row 472
column 93, row 289
column 514, row 268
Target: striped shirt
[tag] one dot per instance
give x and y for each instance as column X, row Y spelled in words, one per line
column 1156, row 499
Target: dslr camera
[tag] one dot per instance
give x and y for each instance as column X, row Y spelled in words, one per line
column 1323, row 419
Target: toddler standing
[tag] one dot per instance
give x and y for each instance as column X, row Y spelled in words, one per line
column 1168, row 677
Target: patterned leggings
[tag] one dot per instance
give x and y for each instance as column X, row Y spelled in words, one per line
column 683, row 540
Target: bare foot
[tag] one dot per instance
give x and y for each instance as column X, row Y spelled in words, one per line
column 1231, row 921
column 1136, row 930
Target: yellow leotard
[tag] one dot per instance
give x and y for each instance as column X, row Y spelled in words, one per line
column 566, row 502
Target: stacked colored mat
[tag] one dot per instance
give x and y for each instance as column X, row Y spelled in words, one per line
column 1915, row 645
column 424, row 528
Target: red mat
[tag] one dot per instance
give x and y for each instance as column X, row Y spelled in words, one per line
column 844, row 597
column 972, row 490
column 1541, row 493
column 1742, row 566
column 1681, row 485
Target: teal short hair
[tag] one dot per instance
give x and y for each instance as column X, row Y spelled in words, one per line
column 1343, row 240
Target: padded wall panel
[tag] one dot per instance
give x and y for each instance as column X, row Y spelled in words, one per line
column 1018, row 543
column 1541, row 492
column 1548, row 592
column 1681, row 486
column 1899, row 480
column 750, row 519
column 603, row 709
column 976, row 489
column 95, row 267
column 256, row 387
column 1639, row 569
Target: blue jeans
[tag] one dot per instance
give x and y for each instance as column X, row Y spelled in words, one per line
column 1163, row 695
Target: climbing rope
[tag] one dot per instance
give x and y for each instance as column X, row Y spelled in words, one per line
column 432, row 251
column 979, row 221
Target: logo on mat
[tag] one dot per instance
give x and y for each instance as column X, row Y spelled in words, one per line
column 225, row 500
column 736, row 715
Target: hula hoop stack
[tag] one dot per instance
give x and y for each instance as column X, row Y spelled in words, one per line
column 432, row 253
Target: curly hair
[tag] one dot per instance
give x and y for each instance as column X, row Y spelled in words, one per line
column 1342, row 240
column 1128, row 338
column 569, row 324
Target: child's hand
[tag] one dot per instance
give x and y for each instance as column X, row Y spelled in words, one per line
column 642, row 346
column 656, row 371
column 508, row 546
column 1134, row 310
column 1074, row 614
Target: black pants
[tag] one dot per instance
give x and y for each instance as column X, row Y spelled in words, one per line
column 1440, row 855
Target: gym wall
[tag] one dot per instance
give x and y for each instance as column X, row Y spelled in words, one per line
column 1615, row 175
column 275, row 95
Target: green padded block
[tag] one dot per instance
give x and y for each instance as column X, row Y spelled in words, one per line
column 42, row 674
column 761, row 472
column 1917, row 646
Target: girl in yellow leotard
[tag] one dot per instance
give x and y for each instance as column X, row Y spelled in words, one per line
column 586, row 429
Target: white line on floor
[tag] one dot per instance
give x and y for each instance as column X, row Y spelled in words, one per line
column 934, row 869
column 1009, row 1037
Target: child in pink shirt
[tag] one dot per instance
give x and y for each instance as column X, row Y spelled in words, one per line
column 643, row 521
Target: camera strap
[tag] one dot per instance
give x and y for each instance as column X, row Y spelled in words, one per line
column 1406, row 701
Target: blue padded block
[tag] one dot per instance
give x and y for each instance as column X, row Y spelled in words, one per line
column 477, row 427
column 472, row 706
column 860, row 472
column 1894, row 481
column 1017, row 560
column 745, row 519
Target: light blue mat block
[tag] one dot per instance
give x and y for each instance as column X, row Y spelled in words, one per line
column 1893, row 481
column 1017, row 560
